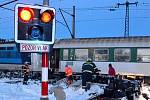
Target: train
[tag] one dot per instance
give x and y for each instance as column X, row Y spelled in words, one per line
column 12, row 59
column 128, row 55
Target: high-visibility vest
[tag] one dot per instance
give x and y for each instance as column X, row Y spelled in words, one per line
column 68, row 71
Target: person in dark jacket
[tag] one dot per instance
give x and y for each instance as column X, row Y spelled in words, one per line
column 26, row 71
column 88, row 69
column 111, row 70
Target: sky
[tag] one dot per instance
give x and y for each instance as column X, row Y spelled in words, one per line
column 93, row 18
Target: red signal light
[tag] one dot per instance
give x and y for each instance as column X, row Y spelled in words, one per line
column 47, row 16
column 26, row 14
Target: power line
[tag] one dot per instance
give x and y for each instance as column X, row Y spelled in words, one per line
column 86, row 9
column 145, row 3
column 7, row 8
column 106, row 19
column 87, row 20
column 104, row 7
column 1, row 5
column 8, row 3
column 96, row 7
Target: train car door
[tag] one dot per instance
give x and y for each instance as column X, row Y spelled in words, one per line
column 54, row 63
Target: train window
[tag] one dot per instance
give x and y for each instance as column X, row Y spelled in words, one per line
column 2, row 55
column 122, row 55
column 10, row 48
column 81, row 54
column 2, row 48
column 6, row 54
column 14, row 55
column 143, row 55
column 65, row 54
column 101, row 54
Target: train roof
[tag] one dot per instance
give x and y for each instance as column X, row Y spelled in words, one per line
column 2, row 41
column 7, row 43
column 134, row 41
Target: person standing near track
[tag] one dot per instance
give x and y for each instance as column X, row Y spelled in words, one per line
column 111, row 70
column 26, row 72
column 88, row 69
column 68, row 72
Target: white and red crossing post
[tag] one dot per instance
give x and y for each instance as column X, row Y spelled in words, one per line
column 44, row 88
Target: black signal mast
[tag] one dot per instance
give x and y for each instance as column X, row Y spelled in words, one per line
column 127, row 4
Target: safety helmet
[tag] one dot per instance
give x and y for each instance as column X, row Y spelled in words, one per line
column 26, row 63
column 89, row 60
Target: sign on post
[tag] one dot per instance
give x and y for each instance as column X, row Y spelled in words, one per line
column 34, row 48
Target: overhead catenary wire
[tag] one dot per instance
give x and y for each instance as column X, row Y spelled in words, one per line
column 7, row 8
column 106, row 7
column 7, row 3
column 66, row 22
column 88, row 20
column 92, row 19
column 97, row 8
column 105, row 19
column 90, row 8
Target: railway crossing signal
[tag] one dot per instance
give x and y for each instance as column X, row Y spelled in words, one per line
column 34, row 24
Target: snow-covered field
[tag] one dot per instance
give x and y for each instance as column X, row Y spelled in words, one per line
column 9, row 90
column 15, row 90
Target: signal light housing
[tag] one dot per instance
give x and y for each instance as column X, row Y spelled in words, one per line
column 34, row 24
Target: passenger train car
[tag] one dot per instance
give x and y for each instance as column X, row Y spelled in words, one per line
column 128, row 55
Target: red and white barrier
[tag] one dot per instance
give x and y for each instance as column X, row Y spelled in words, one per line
column 44, row 89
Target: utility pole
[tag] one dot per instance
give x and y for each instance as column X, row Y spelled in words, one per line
column 46, row 2
column 73, row 22
column 127, row 4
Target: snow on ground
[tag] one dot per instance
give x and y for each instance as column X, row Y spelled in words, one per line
column 145, row 90
column 81, row 94
column 9, row 90
column 15, row 90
